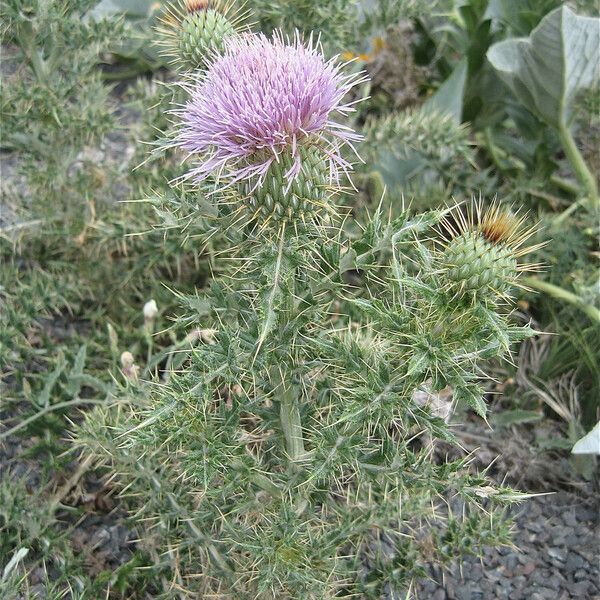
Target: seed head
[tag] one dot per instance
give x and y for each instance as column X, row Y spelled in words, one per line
column 130, row 369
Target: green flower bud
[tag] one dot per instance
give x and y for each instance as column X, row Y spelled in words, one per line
column 482, row 256
column 193, row 30
column 201, row 34
column 475, row 265
column 302, row 198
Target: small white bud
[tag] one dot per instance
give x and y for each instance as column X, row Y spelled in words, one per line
column 150, row 310
column 130, row 370
column 193, row 336
column 208, row 336
column 127, row 360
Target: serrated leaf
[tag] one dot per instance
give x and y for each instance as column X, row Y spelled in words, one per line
column 547, row 70
column 473, row 396
column 43, row 400
column 348, row 262
column 74, row 383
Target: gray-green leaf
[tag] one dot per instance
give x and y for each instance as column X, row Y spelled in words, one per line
column 547, row 70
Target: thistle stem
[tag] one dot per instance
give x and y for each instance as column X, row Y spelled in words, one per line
column 289, row 409
column 44, row 411
column 560, row 294
column 579, row 166
column 291, row 423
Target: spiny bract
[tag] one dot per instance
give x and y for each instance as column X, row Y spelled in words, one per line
column 476, row 265
column 298, row 199
column 202, row 33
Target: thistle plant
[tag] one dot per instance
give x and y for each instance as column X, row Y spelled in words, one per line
column 54, row 104
column 287, row 457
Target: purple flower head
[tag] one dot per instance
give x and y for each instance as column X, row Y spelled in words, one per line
column 262, row 98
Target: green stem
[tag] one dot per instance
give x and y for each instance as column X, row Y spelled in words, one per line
column 264, row 483
column 289, row 409
column 579, row 166
column 560, row 294
column 492, row 149
column 291, row 423
column 565, row 214
column 149, row 345
column 566, row 185
column 48, row 409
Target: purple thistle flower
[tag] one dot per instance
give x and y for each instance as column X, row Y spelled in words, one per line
column 262, row 98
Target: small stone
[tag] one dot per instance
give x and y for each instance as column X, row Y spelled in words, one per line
column 559, row 554
column 494, row 575
column 570, row 518
column 463, row 592
column 573, row 562
column 580, row 574
column 555, row 581
column 587, row 514
column 511, row 562
column 527, row 568
column 544, row 593
column 580, row 589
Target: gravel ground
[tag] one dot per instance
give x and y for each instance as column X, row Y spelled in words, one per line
column 557, row 558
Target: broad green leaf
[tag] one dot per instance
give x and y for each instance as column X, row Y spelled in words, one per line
column 547, row 70
column 448, row 99
column 589, row 443
column 130, row 8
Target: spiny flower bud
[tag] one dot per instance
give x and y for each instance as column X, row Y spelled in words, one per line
column 260, row 118
column 298, row 199
column 193, row 30
column 481, row 258
column 476, row 265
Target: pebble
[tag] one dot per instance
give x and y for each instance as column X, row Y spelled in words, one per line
column 573, row 562
column 559, row 554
